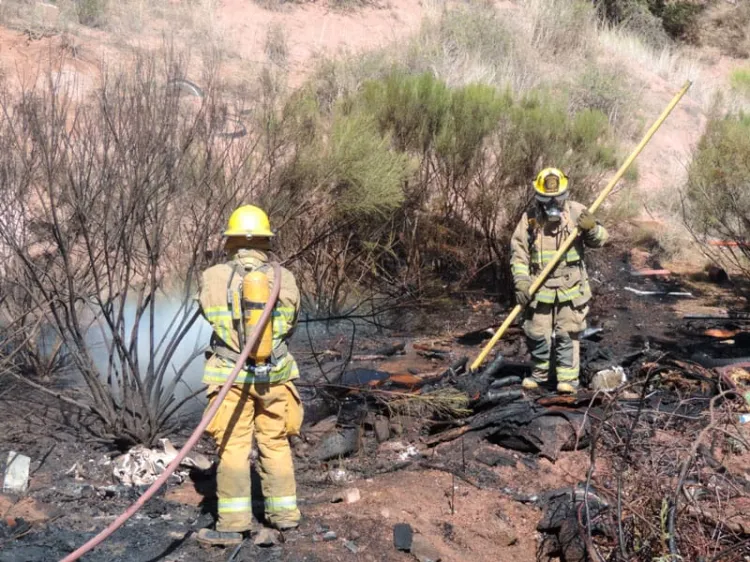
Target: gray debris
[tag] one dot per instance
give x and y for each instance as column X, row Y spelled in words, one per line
column 492, row 457
column 507, row 381
column 403, row 536
column 382, row 429
column 351, row 546
column 339, row 444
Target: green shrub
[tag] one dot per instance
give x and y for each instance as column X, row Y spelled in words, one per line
column 718, row 190
column 740, row 81
column 561, row 26
column 411, row 108
column 474, row 112
column 654, row 19
column 679, row 20
column 92, row 13
column 367, row 177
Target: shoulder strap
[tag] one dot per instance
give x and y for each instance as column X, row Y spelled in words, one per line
column 532, row 224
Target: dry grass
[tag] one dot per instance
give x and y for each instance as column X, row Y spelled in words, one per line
column 193, row 24
column 673, row 64
column 276, row 46
column 560, row 27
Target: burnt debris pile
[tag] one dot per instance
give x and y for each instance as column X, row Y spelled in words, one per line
column 660, row 426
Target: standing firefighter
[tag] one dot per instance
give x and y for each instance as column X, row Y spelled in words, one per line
column 263, row 401
column 560, row 305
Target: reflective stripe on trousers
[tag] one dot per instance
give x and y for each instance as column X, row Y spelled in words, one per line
column 278, row 504
column 235, row 505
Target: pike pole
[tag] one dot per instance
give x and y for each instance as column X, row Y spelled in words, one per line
column 573, row 235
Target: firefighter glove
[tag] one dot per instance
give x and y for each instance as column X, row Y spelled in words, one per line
column 522, row 293
column 586, row 221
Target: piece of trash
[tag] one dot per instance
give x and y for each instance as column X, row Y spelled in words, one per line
column 363, row 377
column 193, row 460
column 350, row 495
column 329, row 536
column 744, row 418
column 141, row 466
column 405, row 380
column 403, row 536
column 659, row 293
column 16, row 479
column 591, row 332
column 340, row 476
column 650, row 272
column 76, row 470
column 728, row 243
column 608, row 379
column 352, row 547
column 721, row 334
column 477, row 336
column 411, row 451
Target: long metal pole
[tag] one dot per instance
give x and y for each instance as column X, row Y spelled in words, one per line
column 573, row 235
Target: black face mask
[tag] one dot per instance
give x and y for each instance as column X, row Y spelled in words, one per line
column 552, row 207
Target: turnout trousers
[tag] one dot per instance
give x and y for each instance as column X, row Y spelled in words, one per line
column 270, row 413
column 566, row 322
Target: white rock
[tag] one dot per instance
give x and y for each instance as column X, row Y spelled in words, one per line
column 16, row 479
column 608, row 379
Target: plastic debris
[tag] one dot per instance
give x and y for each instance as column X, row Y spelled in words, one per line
column 660, row 293
column 608, row 379
column 411, row 451
column 141, row 466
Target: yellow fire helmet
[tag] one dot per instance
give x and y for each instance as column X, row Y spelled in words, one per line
column 551, row 182
column 249, row 221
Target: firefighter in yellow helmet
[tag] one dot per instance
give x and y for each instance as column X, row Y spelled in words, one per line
column 557, row 313
column 263, row 402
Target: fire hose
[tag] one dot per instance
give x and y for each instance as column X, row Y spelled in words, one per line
column 568, row 242
column 196, row 435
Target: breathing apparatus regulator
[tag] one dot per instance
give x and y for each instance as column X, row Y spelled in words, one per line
column 551, row 187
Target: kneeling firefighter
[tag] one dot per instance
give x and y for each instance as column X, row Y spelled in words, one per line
column 560, row 306
column 263, row 400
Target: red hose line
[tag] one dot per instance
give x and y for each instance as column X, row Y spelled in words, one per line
column 148, row 494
